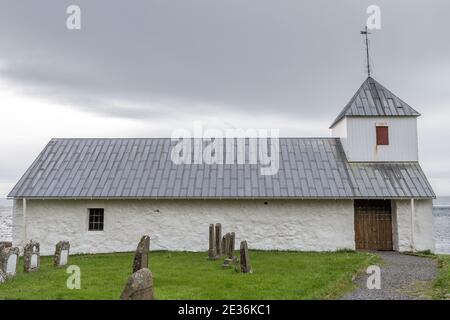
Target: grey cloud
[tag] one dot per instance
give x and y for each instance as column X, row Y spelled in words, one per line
column 155, row 59
column 290, row 57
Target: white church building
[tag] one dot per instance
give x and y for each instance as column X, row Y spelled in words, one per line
column 362, row 188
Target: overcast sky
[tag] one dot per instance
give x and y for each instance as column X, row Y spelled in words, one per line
column 142, row 68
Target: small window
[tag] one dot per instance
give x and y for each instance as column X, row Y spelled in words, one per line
column 96, row 217
column 382, row 136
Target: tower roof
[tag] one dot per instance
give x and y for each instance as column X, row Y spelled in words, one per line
column 374, row 100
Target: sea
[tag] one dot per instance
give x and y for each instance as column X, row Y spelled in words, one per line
column 441, row 213
column 5, row 222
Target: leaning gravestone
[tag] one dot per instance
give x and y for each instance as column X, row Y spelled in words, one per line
column 141, row 256
column 245, row 258
column 31, row 257
column 61, row 257
column 139, row 286
column 212, row 243
column 218, row 237
column 9, row 258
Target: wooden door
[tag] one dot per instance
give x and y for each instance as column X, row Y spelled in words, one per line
column 373, row 224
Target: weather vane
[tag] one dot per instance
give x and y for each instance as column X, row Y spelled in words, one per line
column 366, row 33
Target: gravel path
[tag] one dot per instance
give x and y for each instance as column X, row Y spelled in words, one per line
column 403, row 277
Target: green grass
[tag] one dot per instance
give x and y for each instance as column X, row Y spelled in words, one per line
column 182, row 275
column 442, row 283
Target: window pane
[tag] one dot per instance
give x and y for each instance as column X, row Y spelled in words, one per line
column 96, row 218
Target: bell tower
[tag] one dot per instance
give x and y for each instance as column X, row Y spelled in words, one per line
column 377, row 126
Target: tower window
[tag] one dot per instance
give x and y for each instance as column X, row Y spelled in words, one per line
column 382, row 136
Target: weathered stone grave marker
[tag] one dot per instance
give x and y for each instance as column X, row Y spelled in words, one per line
column 229, row 250
column 222, row 245
column 212, row 243
column 139, row 286
column 231, row 245
column 61, row 254
column 218, row 237
column 226, row 243
column 245, row 258
column 31, row 257
column 5, row 244
column 3, row 277
column 141, row 256
column 9, row 258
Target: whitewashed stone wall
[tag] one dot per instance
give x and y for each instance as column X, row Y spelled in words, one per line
column 423, row 225
column 307, row 225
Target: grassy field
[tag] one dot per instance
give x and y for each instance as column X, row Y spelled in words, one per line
column 182, row 275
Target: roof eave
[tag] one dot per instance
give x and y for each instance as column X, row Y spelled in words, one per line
column 375, row 116
column 226, row 198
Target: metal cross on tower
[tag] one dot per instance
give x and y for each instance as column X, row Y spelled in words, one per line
column 366, row 33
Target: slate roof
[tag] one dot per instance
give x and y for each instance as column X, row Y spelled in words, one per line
column 373, row 100
column 390, row 180
column 142, row 168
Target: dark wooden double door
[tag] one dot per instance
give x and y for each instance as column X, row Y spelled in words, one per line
column 373, row 224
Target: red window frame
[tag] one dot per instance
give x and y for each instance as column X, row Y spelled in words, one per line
column 382, row 135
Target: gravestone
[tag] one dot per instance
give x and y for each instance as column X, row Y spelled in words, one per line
column 231, row 245
column 61, row 257
column 230, row 259
column 222, row 245
column 141, row 256
column 229, row 262
column 139, row 286
column 3, row 277
column 245, row 258
column 5, row 244
column 227, row 243
column 218, row 237
column 9, row 258
column 212, row 243
column 31, row 257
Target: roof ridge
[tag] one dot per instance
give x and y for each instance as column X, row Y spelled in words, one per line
column 154, row 138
